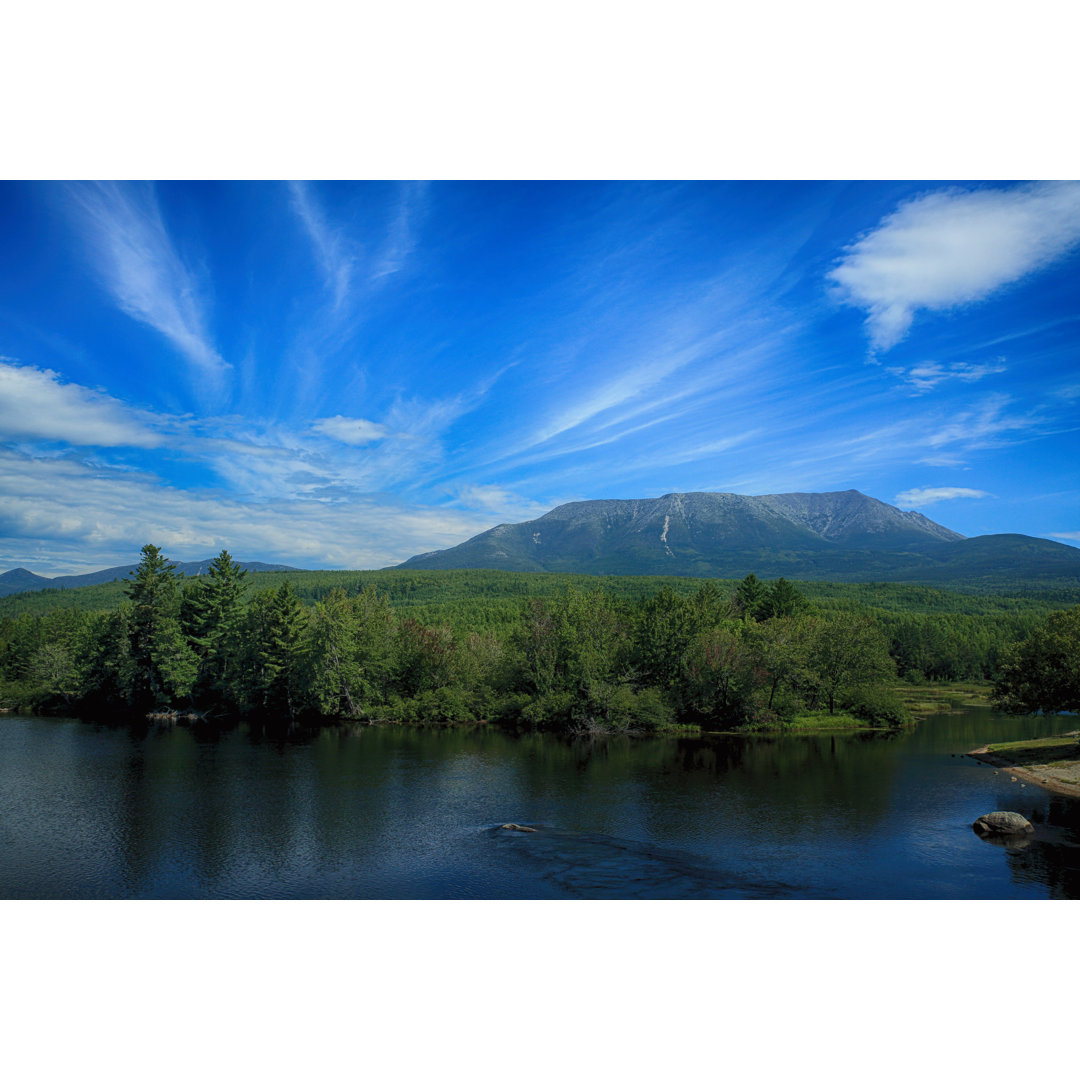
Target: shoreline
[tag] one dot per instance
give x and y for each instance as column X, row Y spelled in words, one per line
column 1030, row 774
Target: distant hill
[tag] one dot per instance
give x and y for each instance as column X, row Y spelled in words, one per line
column 20, row 580
column 830, row 536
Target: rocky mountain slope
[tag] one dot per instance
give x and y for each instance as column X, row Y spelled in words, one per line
column 840, row 535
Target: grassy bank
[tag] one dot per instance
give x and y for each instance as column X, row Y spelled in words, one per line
column 1031, row 753
column 821, row 723
column 923, row 698
column 1052, row 763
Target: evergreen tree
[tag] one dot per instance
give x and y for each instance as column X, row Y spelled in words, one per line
column 274, row 653
column 666, row 625
column 709, row 607
column 105, row 658
column 212, row 615
column 164, row 666
column 749, row 596
column 781, row 600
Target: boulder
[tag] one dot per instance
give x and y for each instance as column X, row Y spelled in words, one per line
column 517, row 828
column 1003, row 823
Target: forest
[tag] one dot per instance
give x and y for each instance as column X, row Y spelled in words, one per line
column 535, row 651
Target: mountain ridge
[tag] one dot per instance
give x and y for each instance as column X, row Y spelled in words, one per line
column 21, row 580
column 842, row 535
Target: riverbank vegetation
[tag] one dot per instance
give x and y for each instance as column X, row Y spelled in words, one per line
column 1034, row 752
column 1042, row 673
column 1053, row 762
column 534, row 651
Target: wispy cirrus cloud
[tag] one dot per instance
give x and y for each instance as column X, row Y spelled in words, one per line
column 401, row 237
column 986, row 423
column 938, row 437
column 674, row 357
column 949, row 248
column 134, row 257
column 345, row 263
column 36, row 405
column 337, row 255
column 501, row 501
column 931, row 374
column 907, row 500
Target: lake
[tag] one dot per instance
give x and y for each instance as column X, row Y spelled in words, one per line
column 89, row 810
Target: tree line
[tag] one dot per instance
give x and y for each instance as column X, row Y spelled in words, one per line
column 581, row 659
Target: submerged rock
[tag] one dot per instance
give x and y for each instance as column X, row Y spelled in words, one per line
column 1003, row 823
column 517, row 828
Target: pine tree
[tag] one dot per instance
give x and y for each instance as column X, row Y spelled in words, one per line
column 105, row 657
column 749, row 595
column 781, row 600
column 274, row 653
column 666, row 626
column 164, row 666
column 212, row 614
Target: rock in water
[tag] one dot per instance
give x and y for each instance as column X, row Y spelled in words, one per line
column 1003, row 823
column 517, row 828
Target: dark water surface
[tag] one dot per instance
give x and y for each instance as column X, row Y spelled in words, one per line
column 92, row 811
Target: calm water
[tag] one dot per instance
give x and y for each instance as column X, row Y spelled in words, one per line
column 91, row 811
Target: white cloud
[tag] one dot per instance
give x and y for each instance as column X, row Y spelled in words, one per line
column 1067, row 536
column 954, row 247
column 927, row 496
column 36, row 405
column 930, row 374
column 136, row 261
column 78, row 516
column 354, row 432
column 38, row 410
column 501, row 502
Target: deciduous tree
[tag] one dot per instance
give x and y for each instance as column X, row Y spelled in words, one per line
column 1042, row 674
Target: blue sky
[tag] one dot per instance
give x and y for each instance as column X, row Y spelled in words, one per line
column 345, row 375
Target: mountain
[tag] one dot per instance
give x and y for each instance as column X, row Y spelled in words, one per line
column 838, row 536
column 20, row 580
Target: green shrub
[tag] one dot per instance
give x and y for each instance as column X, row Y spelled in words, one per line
column 444, row 705
column 551, row 710
column 879, row 705
column 646, row 709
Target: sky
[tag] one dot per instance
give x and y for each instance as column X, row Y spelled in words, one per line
column 344, row 375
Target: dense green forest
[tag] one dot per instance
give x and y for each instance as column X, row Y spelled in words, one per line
column 569, row 652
